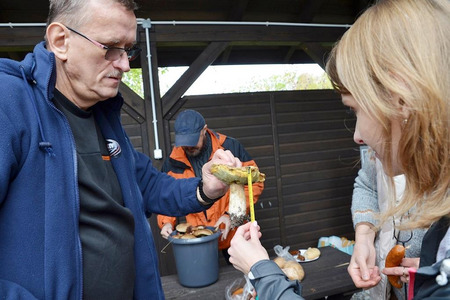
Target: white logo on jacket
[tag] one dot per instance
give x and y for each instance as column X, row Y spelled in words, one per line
column 113, row 148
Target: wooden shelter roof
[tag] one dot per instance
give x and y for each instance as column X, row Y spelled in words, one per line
column 180, row 45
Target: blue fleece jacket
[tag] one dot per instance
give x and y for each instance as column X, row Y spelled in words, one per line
column 40, row 256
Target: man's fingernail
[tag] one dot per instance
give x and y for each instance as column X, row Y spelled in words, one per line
column 365, row 276
column 255, row 223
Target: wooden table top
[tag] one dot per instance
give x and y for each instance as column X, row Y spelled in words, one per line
column 325, row 276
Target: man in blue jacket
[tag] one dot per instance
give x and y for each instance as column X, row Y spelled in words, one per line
column 74, row 194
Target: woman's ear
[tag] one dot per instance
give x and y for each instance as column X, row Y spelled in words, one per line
column 402, row 107
column 57, row 40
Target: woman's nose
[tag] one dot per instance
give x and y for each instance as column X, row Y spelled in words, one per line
column 357, row 137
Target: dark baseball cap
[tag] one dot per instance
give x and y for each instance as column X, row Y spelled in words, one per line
column 188, row 126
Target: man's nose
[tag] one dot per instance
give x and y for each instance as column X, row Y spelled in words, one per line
column 122, row 63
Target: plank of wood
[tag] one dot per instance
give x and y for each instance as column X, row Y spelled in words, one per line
column 326, row 276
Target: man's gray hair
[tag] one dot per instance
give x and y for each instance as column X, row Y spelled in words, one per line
column 70, row 12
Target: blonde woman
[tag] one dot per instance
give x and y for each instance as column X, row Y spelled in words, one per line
column 374, row 241
column 392, row 69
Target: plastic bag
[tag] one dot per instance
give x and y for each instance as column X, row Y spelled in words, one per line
column 241, row 283
column 283, row 252
column 340, row 243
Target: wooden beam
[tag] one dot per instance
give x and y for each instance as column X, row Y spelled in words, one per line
column 134, row 102
column 237, row 10
column 289, row 54
column 206, row 58
column 316, row 52
column 226, row 55
column 248, row 33
column 361, row 6
column 309, row 10
column 20, row 37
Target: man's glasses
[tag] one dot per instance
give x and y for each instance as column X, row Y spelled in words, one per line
column 112, row 53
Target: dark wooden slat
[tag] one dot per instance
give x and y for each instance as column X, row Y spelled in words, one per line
column 308, row 10
column 317, row 52
column 189, row 77
column 237, row 10
column 20, row 37
column 326, row 276
column 134, row 104
column 246, row 33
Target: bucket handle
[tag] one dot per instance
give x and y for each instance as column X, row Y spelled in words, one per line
column 162, row 250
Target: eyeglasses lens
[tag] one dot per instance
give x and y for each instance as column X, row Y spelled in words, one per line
column 133, row 53
column 113, row 54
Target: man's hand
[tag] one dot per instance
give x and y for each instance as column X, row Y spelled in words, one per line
column 224, row 219
column 166, row 230
column 212, row 186
column 362, row 268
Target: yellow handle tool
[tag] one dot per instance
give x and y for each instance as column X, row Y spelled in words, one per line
column 250, row 194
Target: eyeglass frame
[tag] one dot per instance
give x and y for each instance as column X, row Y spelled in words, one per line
column 133, row 50
column 397, row 236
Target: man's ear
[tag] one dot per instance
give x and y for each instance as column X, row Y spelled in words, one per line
column 57, row 40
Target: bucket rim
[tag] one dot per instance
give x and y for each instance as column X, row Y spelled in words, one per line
column 199, row 240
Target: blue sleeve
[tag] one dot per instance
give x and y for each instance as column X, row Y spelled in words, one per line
column 9, row 146
column 163, row 194
column 9, row 166
column 11, row 291
column 426, row 286
column 271, row 283
column 365, row 195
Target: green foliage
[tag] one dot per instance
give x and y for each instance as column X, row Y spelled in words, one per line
column 308, row 82
column 133, row 79
column 286, row 82
column 279, row 82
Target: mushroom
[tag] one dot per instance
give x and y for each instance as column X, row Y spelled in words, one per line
column 183, row 228
column 202, row 232
column 188, row 236
column 237, row 177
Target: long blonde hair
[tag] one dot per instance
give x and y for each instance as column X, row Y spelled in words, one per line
column 402, row 47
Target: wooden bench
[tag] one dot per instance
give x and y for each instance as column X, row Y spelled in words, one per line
column 326, row 276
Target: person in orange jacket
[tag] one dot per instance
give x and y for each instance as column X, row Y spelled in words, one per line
column 195, row 144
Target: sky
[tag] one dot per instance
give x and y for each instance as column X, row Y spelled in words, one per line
column 226, row 79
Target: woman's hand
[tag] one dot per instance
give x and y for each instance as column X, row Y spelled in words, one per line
column 403, row 270
column 245, row 248
column 362, row 268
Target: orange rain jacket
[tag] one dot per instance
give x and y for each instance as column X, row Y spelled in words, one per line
column 178, row 166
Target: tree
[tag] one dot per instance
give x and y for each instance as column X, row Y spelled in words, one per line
column 288, row 81
column 133, row 79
